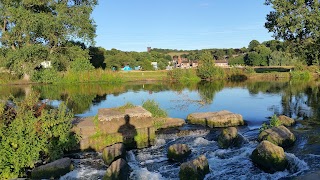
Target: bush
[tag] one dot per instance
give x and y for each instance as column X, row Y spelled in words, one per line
column 45, row 76
column 300, row 75
column 154, row 108
column 274, row 122
column 33, row 134
column 182, row 75
column 210, row 72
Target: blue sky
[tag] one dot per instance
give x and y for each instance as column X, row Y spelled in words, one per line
column 133, row 25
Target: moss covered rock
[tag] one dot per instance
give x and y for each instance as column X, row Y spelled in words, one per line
column 195, row 169
column 280, row 136
column 229, row 138
column 118, row 170
column 52, row 170
column 178, row 152
column 286, row 121
column 269, row 157
column 216, row 119
column 113, row 152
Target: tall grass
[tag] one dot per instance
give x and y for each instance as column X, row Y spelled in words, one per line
column 97, row 75
column 153, row 107
column 183, row 76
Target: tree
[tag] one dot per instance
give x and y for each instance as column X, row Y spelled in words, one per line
column 253, row 44
column 297, row 22
column 206, row 69
column 29, row 28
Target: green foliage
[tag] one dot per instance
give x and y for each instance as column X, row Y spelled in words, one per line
column 207, row 69
column 274, row 122
column 81, row 64
column 6, row 77
column 249, row 70
column 297, row 23
column 48, row 75
column 300, row 75
column 182, row 76
column 153, row 107
column 279, row 58
column 238, row 60
column 30, row 136
column 36, row 31
column 253, row 44
column 97, row 75
column 128, row 105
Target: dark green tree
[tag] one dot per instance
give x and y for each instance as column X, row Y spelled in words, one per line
column 253, row 44
column 297, row 22
column 34, row 31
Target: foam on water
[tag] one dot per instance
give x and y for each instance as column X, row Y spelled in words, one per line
column 144, row 174
column 200, row 141
column 83, row 174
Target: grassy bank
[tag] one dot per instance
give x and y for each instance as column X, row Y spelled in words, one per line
column 184, row 76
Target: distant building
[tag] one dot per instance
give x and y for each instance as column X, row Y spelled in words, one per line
column 155, row 65
column 46, row 64
column 222, row 63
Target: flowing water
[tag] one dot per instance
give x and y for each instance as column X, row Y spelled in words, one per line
column 255, row 101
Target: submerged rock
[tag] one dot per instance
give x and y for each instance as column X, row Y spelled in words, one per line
column 118, row 170
column 52, row 170
column 178, row 152
column 280, row 136
column 286, row 121
column 269, row 157
column 195, row 169
column 229, row 138
column 113, row 152
column 216, row 119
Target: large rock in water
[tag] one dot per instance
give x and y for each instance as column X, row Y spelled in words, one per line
column 52, row 170
column 106, row 114
column 286, row 121
column 280, row 136
column 194, row 170
column 118, row 170
column 178, row 152
column 229, row 138
column 269, row 157
column 113, row 152
column 216, row 119
column 130, row 125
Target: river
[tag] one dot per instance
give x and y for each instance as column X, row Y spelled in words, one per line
column 255, row 101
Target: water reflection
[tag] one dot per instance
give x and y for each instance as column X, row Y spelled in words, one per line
column 254, row 100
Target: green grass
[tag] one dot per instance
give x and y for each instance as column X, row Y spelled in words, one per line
column 143, row 75
column 153, row 107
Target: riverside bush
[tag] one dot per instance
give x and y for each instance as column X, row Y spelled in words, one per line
column 48, row 75
column 32, row 134
column 274, row 122
column 153, row 107
column 210, row 72
column 182, row 75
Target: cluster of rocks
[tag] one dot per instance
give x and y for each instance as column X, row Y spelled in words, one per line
column 269, row 154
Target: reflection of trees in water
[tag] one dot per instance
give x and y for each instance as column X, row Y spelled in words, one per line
column 266, row 87
column 207, row 90
column 301, row 100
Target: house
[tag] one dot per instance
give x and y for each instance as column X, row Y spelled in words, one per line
column 155, row 65
column 46, row 64
column 222, row 63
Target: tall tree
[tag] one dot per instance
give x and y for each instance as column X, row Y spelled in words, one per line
column 46, row 26
column 298, row 22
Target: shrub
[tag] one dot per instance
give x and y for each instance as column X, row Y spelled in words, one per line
column 274, row 122
column 210, row 72
column 182, row 75
column 33, row 134
column 300, row 75
column 154, row 108
column 45, row 76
